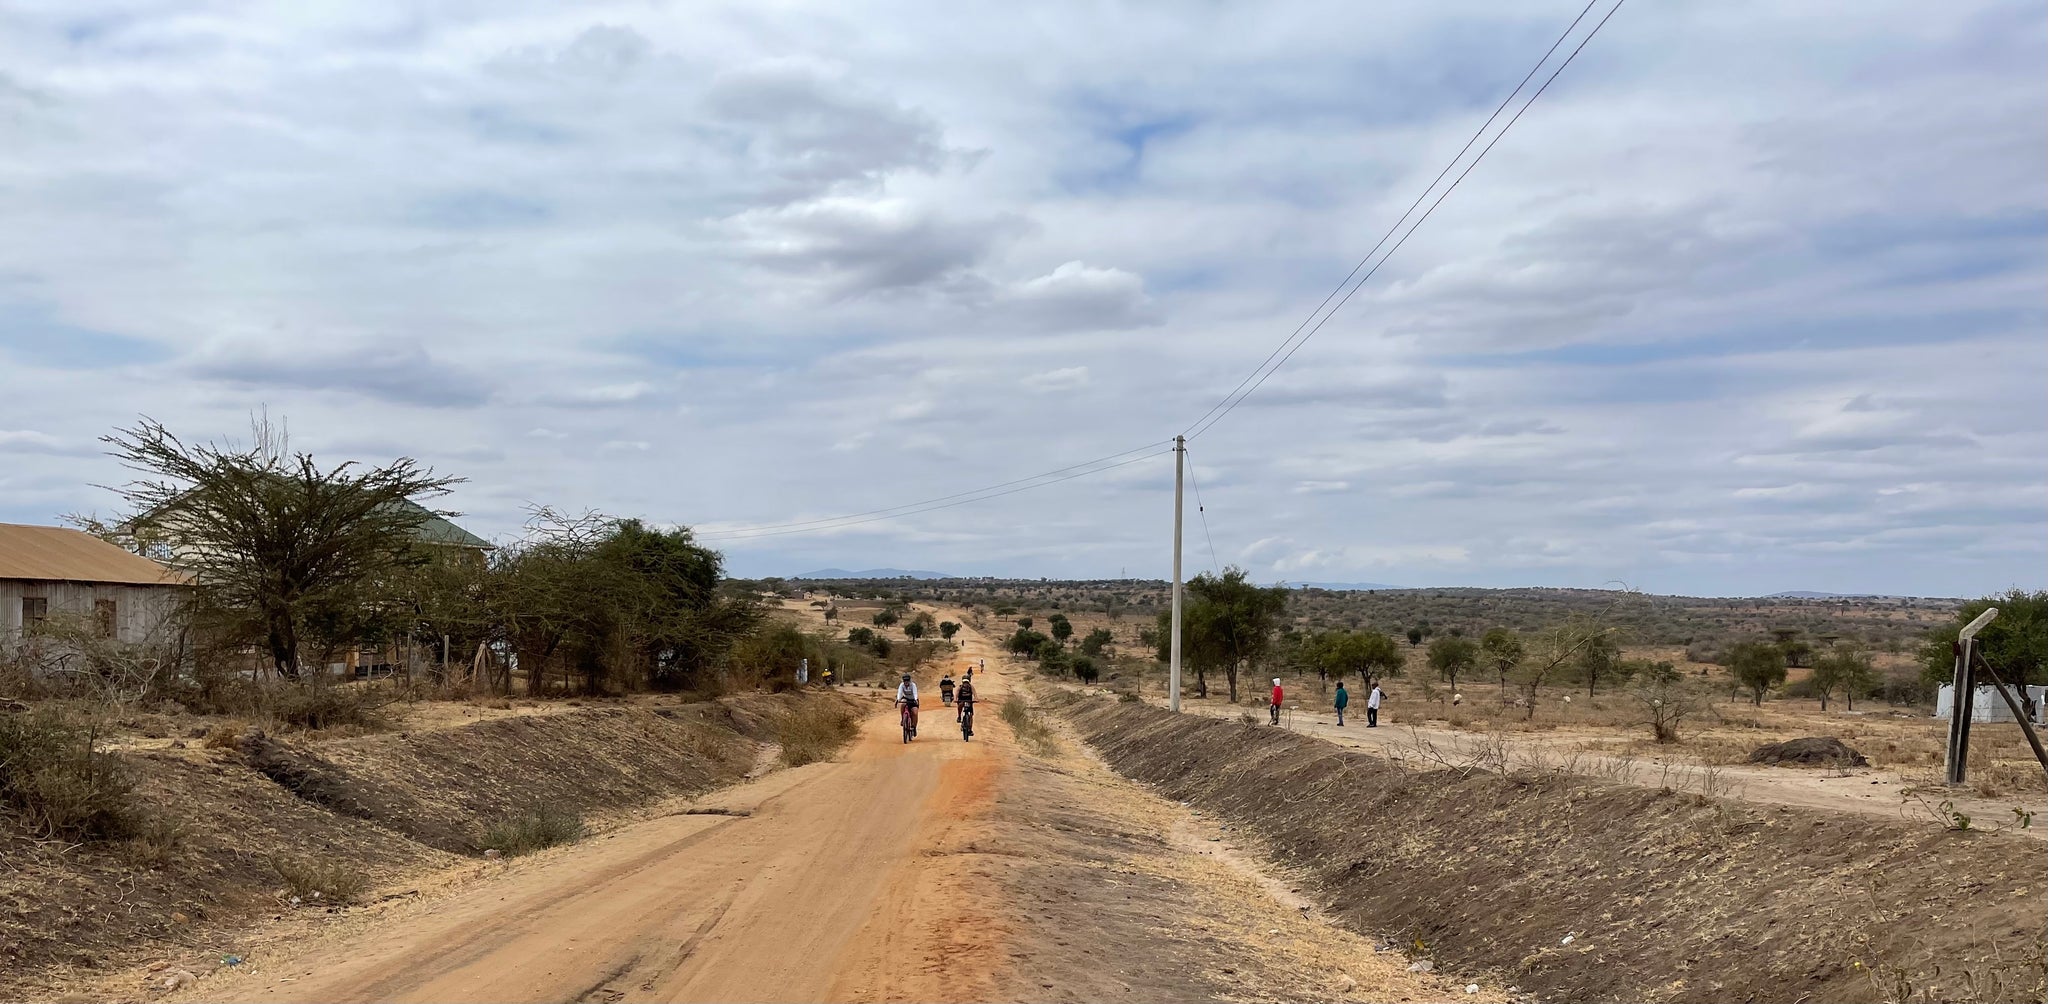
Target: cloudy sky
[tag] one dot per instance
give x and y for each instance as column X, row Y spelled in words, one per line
column 1753, row 299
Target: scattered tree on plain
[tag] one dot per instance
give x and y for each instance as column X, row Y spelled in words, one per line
column 1844, row 668
column 1097, row 641
column 1757, row 667
column 284, row 553
column 1062, row 629
column 1666, row 699
column 1501, row 650
column 1228, row 624
column 1450, row 655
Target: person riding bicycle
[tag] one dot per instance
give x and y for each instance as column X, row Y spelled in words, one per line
column 946, row 689
column 963, row 697
column 906, row 695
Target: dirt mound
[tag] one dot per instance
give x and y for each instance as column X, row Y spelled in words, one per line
column 388, row 805
column 1584, row 891
column 1824, row 751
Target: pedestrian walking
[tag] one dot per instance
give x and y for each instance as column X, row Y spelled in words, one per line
column 1372, row 706
column 1275, row 709
column 1343, row 700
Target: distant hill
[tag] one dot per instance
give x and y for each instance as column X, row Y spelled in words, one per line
column 1340, row 586
column 873, row 573
column 1808, row 594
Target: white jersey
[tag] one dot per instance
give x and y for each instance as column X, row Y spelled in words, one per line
column 907, row 690
column 1372, row 700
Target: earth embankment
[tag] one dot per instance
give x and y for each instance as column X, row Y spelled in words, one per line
column 1583, row 890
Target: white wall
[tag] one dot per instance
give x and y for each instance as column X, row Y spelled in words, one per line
column 1987, row 706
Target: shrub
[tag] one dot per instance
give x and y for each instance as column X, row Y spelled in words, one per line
column 536, row 829
column 311, row 881
column 314, row 707
column 1025, row 723
column 222, row 737
column 814, row 732
column 152, row 842
column 56, row 782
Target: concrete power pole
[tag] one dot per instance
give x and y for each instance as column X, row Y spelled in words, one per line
column 1180, row 450
column 1961, row 705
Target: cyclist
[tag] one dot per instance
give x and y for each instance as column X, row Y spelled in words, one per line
column 906, row 695
column 946, row 689
column 963, row 697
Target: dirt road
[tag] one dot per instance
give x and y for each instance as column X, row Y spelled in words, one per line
column 938, row 870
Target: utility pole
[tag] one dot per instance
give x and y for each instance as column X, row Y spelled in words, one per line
column 1961, row 706
column 1180, row 452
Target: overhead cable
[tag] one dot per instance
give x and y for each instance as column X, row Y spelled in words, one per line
column 1304, row 331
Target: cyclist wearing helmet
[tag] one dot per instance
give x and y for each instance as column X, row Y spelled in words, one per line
column 906, row 697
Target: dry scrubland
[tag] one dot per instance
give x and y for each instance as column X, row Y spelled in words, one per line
column 1892, row 725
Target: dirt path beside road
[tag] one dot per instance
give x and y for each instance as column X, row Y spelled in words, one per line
column 1872, row 791
column 938, row 870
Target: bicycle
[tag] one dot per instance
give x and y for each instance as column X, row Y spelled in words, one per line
column 967, row 722
column 909, row 720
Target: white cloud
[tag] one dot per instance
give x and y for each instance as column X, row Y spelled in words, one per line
column 1748, row 301
column 1063, row 379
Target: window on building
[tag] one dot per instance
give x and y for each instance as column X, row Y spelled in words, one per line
column 34, row 611
column 103, row 614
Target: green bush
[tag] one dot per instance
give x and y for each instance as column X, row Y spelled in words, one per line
column 52, row 778
column 535, row 829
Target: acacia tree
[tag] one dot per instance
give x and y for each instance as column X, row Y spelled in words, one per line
column 1757, row 667
column 1502, row 650
column 1367, row 653
column 1554, row 649
column 282, row 552
column 1450, row 654
column 1666, row 699
column 1600, row 657
column 1231, row 621
column 947, row 629
column 1062, row 628
column 1844, row 668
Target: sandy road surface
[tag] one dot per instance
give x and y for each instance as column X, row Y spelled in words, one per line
column 938, row 870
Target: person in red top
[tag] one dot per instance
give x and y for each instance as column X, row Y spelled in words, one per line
column 1275, row 709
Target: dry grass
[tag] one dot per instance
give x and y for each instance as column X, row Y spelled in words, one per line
column 814, row 731
column 1028, row 727
column 56, row 783
column 152, row 842
column 320, row 881
column 536, row 829
column 222, row 737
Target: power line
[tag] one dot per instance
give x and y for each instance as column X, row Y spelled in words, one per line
column 828, row 522
column 1297, row 339
column 1202, row 511
column 979, row 496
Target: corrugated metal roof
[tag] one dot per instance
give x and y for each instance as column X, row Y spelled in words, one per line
column 55, row 553
column 434, row 529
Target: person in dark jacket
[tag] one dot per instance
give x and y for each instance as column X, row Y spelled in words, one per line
column 1343, row 700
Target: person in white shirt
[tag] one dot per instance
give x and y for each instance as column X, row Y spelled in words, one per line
column 1372, row 707
column 906, row 696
